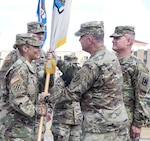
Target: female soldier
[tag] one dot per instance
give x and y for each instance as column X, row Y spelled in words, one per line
column 23, row 108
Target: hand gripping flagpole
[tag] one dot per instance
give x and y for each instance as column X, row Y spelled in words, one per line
column 50, row 69
column 59, row 29
column 50, row 65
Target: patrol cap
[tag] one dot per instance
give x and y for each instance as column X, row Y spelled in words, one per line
column 70, row 58
column 28, row 38
column 122, row 30
column 92, row 27
column 35, row 27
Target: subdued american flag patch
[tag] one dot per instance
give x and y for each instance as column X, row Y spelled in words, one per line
column 15, row 79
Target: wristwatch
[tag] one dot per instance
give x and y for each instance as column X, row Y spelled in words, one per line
column 46, row 99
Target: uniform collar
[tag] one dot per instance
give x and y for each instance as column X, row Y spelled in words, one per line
column 28, row 64
column 124, row 59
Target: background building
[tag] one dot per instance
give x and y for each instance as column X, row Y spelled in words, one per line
column 3, row 54
column 140, row 49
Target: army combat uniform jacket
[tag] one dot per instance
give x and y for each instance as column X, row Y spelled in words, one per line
column 69, row 112
column 10, row 59
column 38, row 64
column 98, row 87
column 21, row 118
column 136, row 87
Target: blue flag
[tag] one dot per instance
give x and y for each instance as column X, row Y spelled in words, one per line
column 42, row 17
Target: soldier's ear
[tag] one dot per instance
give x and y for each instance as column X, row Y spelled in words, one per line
column 90, row 39
column 25, row 48
column 128, row 39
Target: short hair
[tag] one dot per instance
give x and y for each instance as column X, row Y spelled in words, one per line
column 98, row 37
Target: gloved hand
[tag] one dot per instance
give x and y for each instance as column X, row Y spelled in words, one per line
column 66, row 79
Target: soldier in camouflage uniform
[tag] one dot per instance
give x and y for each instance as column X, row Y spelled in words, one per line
column 136, row 82
column 67, row 117
column 22, row 109
column 39, row 64
column 98, row 87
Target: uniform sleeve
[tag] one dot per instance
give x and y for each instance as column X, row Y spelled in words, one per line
column 18, row 96
column 81, row 82
column 142, row 96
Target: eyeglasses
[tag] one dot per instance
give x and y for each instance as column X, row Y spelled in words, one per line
column 83, row 36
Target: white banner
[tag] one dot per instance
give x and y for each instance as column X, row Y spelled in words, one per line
column 60, row 23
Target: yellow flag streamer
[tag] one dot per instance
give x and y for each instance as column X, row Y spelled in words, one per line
column 59, row 30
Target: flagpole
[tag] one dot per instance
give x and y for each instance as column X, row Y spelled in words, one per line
column 42, row 17
column 42, row 117
column 59, row 28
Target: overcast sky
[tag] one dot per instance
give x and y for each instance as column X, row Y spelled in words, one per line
column 15, row 14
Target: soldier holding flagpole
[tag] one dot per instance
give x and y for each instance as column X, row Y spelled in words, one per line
column 68, row 129
column 21, row 108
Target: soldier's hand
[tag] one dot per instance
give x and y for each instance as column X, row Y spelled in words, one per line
column 135, row 132
column 51, row 54
column 43, row 97
column 48, row 116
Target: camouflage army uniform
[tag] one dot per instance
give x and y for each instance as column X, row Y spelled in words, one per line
column 67, row 117
column 136, row 84
column 135, row 88
column 98, row 87
column 8, row 62
column 21, row 107
column 38, row 64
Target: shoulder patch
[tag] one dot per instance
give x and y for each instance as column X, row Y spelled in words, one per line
column 15, row 79
column 76, row 78
column 144, row 82
column 17, row 86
